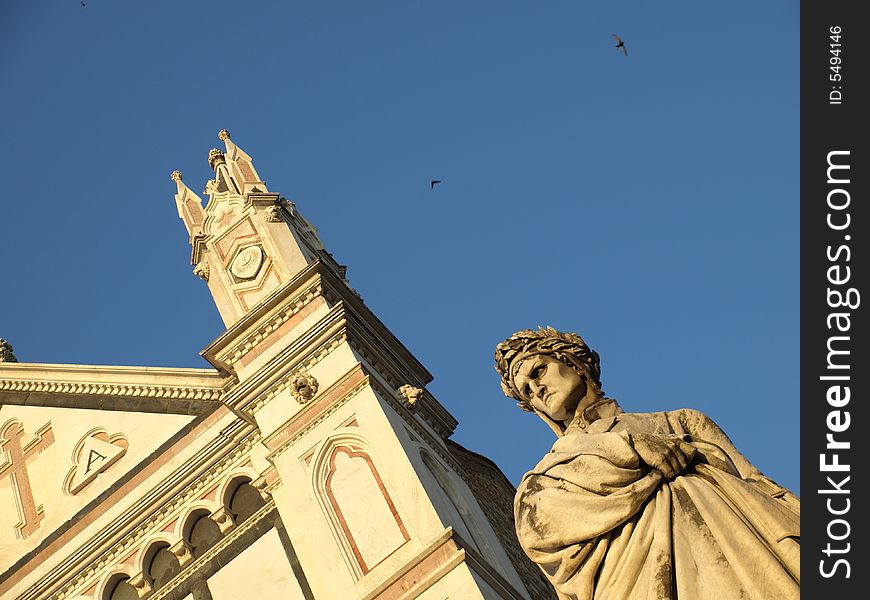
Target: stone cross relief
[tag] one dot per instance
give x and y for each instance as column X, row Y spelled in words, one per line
column 15, row 468
column 96, row 452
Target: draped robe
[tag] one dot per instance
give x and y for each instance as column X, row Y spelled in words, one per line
column 603, row 525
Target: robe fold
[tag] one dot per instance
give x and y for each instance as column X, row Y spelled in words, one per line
column 603, row 525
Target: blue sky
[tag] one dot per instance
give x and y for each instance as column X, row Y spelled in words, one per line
column 648, row 202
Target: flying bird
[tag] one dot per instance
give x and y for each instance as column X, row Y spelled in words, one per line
column 620, row 44
column 433, row 182
column 82, row 3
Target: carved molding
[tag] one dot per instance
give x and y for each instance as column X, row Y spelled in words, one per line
column 108, row 389
column 334, row 341
column 183, row 552
column 226, row 521
column 304, row 421
column 143, row 584
column 265, row 483
column 247, row 343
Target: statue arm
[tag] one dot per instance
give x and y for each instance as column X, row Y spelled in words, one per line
column 598, row 479
column 702, row 427
column 567, row 508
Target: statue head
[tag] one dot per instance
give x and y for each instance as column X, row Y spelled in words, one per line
column 550, row 373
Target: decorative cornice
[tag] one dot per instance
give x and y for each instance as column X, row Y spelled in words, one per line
column 301, row 355
column 270, row 314
column 108, row 389
column 244, row 344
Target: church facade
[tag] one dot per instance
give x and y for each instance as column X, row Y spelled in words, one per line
column 310, row 461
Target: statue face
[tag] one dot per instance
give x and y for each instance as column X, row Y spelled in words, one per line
column 550, row 385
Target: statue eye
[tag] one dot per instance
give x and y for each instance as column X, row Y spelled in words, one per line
column 539, row 371
column 527, row 391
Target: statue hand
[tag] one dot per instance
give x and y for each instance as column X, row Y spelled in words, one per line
column 667, row 454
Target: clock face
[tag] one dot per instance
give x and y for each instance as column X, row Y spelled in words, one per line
column 247, row 262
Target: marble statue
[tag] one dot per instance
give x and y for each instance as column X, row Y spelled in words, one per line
column 647, row 506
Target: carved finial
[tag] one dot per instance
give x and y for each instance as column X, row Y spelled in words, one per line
column 215, row 158
column 176, row 175
column 411, row 394
column 303, row 387
column 6, row 352
column 223, row 135
column 201, row 270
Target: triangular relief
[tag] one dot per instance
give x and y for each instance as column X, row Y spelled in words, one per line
column 93, row 454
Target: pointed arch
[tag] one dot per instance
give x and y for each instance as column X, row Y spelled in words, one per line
column 356, row 502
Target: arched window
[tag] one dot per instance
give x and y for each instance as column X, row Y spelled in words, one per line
column 164, row 566
column 357, row 503
column 203, row 535
column 245, row 501
column 122, row 590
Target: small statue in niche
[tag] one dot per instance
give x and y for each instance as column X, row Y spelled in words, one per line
column 646, row 506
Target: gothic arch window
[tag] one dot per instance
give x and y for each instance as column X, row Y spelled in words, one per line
column 357, row 504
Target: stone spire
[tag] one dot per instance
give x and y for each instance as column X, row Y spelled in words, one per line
column 189, row 206
column 247, row 241
column 234, row 171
